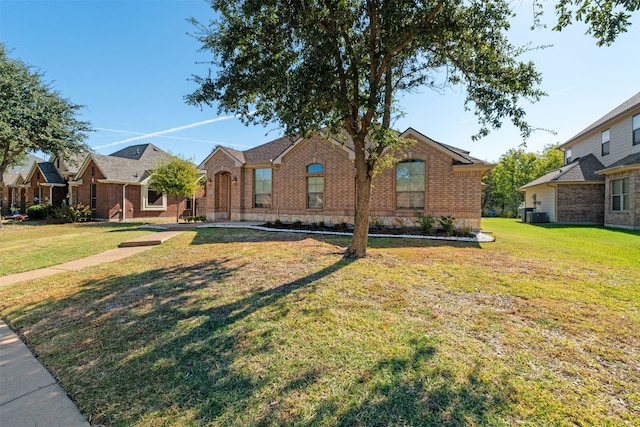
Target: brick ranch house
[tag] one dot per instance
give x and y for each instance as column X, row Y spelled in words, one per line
column 600, row 181
column 13, row 191
column 313, row 180
column 115, row 186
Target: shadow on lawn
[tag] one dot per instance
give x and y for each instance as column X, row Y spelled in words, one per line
column 176, row 344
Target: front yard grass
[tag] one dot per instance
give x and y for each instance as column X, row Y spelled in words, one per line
column 232, row 327
column 31, row 245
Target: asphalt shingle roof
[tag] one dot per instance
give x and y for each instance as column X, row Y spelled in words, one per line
column 630, row 160
column 130, row 164
column 22, row 169
column 269, row 151
column 580, row 170
column 51, row 174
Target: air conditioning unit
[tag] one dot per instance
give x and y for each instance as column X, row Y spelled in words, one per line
column 536, row 217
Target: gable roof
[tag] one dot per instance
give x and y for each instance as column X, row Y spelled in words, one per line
column 49, row 173
column 13, row 173
column 583, row 169
column 620, row 110
column 129, row 165
column 72, row 163
column 276, row 149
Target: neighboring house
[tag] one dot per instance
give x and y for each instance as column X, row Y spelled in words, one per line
column 600, row 182
column 313, row 180
column 14, row 190
column 45, row 184
column 115, row 187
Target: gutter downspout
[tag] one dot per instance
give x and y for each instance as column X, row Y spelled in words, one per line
column 124, row 199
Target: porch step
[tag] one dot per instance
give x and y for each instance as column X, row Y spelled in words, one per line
column 149, row 240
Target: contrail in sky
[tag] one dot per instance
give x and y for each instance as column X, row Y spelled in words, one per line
column 166, row 131
column 130, row 132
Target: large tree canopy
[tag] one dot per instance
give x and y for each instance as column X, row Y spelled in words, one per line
column 341, row 64
column 606, row 19
column 34, row 117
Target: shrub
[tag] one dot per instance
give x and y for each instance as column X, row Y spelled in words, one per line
column 377, row 223
column 38, row 211
column 69, row 214
column 297, row 223
column 447, row 224
column 464, row 231
column 399, row 223
column 278, row 223
column 342, row 226
column 426, row 222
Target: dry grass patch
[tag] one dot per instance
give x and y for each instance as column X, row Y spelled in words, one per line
column 229, row 327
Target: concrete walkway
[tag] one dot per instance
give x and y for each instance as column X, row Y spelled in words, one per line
column 29, row 395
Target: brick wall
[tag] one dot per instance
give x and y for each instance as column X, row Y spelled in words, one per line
column 580, row 204
column 624, row 219
column 448, row 191
column 109, row 199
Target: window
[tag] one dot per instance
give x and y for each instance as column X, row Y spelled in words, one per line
column 620, row 194
column 92, row 196
column 605, row 136
column 567, row 156
column 315, row 186
column 262, row 188
column 153, row 200
column 635, row 124
column 315, row 168
column 410, row 184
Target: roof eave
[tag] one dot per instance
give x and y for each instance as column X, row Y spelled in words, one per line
column 618, row 169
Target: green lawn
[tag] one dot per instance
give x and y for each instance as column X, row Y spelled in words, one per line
column 239, row 328
column 30, row 245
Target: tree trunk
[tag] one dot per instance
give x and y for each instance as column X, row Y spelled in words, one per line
column 358, row 247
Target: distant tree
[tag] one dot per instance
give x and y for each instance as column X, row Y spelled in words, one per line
column 549, row 159
column 515, row 169
column 34, row 117
column 176, row 177
column 342, row 65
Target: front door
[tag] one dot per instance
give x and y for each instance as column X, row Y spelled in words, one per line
column 223, row 196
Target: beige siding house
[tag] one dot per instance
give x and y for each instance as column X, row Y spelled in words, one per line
column 313, row 180
column 600, row 182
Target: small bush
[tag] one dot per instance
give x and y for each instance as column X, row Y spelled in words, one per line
column 377, row 223
column 69, row 214
column 342, row 226
column 277, row 223
column 38, row 211
column 399, row 223
column 447, row 224
column 297, row 223
column 426, row 222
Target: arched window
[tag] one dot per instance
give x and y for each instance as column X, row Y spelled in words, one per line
column 410, row 184
column 315, row 168
column 315, row 186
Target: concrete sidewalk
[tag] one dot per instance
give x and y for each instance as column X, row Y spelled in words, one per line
column 29, row 395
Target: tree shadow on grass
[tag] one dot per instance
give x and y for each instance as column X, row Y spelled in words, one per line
column 164, row 342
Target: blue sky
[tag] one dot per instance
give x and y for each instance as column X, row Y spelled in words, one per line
column 129, row 63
